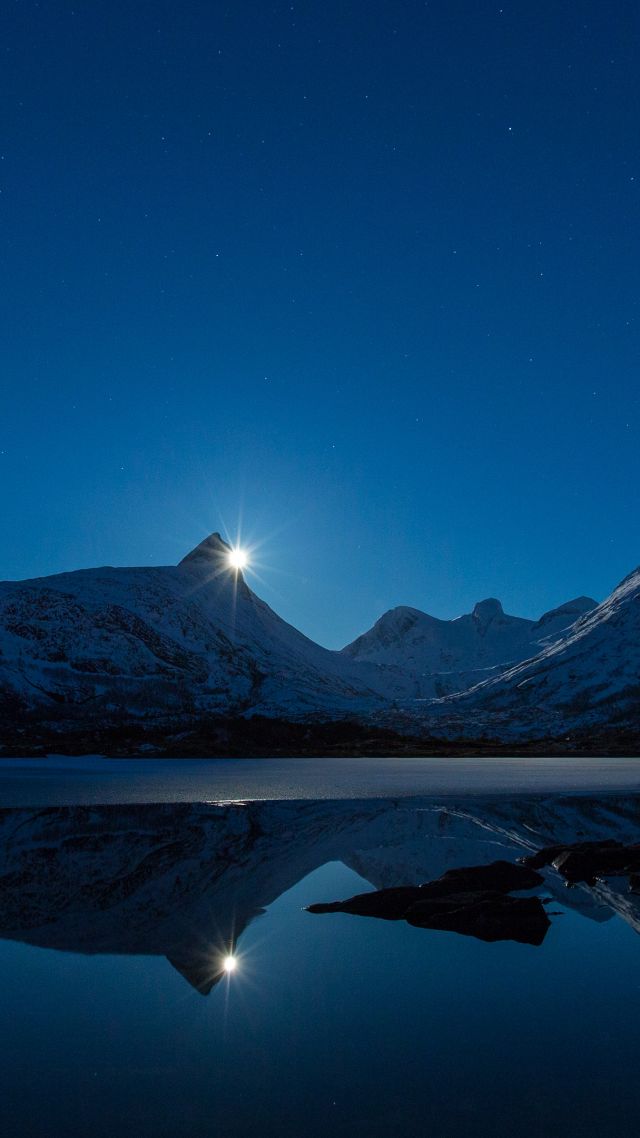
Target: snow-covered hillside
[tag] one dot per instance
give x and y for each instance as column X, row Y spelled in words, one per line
column 164, row 641
column 590, row 675
column 445, row 656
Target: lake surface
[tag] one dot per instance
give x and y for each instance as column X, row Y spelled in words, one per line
column 59, row 780
column 116, row 919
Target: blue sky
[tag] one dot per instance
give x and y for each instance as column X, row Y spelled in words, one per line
column 362, row 276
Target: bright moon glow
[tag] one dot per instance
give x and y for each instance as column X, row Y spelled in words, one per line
column 237, row 559
column 229, row 963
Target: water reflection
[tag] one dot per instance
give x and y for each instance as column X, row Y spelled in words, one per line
column 184, row 881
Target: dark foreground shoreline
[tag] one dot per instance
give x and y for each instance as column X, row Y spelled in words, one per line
column 262, row 737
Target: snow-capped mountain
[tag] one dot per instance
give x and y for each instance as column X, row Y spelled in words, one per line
column 589, row 675
column 179, row 644
column 445, row 656
column 190, row 638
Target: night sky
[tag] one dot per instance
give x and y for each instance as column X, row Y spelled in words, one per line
column 361, row 276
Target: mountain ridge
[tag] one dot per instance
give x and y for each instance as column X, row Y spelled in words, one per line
column 452, row 655
column 145, row 645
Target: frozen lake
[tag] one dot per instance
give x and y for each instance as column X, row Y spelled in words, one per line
column 59, row 780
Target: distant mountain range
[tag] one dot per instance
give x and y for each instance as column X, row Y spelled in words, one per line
column 190, row 642
column 446, row 656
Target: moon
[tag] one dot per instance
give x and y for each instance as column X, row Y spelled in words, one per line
column 238, row 559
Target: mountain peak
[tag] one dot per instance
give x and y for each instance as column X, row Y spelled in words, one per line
column 567, row 613
column 212, row 550
column 487, row 610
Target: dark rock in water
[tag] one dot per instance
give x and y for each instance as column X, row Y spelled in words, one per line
column 587, row 861
column 588, row 865
column 392, row 904
column 550, row 855
column 472, row 900
column 487, row 915
column 634, row 882
column 501, row 876
column 388, row 904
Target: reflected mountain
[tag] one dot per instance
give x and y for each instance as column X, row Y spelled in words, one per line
column 184, row 881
